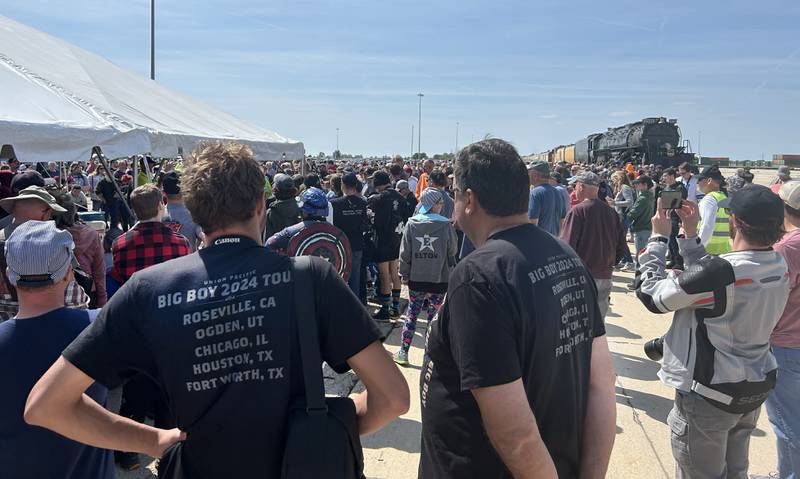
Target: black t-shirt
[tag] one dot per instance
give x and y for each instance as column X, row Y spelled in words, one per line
column 350, row 216
column 216, row 330
column 521, row 306
column 389, row 207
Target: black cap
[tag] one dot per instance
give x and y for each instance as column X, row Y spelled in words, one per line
column 711, row 172
column 644, row 180
column 755, row 205
column 171, row 183
column 351, row 181
column 26, row 179
column 381, row 178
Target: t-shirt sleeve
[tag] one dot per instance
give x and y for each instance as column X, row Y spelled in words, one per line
column 345, row 326
column 482, row 336
column 112, row 349
column 534, row 205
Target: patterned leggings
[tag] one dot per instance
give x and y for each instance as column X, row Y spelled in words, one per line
column 416, row 302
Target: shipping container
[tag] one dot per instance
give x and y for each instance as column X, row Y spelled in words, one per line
column 785, row 157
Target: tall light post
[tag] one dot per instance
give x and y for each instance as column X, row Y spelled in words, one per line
column 412, row 141
column 152, row 39
column 699, row 133
column 419, row 125
column 456, row 150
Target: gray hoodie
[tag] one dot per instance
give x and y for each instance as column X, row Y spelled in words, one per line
column 429, row 248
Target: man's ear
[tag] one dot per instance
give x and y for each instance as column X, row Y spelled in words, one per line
column 69, row 276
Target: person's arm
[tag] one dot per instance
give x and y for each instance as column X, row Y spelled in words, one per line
column 661, row 292
column 512, row 430
column 534, row 207
column 98, row 271
column 708, row 216
column 599, row 426
column 57, row 402
column 571, row 231
column 627, row 195
column 405, row 254
column 386, row 396
column 638, row 208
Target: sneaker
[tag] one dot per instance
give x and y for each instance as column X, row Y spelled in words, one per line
column 127, row 461
column 382, row 316
column 401, row 358
column 628, row 268
column 632, row 286
column 394, row 312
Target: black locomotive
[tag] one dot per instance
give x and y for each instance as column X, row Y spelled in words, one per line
column 652, row 141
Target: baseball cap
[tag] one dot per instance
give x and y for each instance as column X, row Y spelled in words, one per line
column 351, row 181
column 755, row 205
column 429, row 198
column 32, row 193
column 26, row 179
column 587, row 178
column 643, row 180
column 282, row 182
column 540, row 166
column 172, row 183
column 790, row 194
column 313, row 202
column 711, row 172
column 38, row 254
column 401, row 184
column 380, row 178
column 784, row 171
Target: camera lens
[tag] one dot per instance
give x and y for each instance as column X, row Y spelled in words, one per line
column 654, row 349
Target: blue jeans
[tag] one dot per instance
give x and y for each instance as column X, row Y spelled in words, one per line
column 355, row 273
column 640, row 241
column 783, row 409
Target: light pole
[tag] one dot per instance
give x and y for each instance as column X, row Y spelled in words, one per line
column 699, row 133
column 456, row 150
column 412, row 141
column 152, row 39
column 419, row 125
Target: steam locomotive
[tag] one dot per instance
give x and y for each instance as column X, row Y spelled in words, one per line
column 655, row 141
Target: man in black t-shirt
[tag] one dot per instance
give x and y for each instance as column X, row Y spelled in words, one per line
column 217, row 330
column 389, row 214
column 517, row 379
column 350, row 216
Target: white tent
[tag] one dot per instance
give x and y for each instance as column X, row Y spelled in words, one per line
column 57, row 101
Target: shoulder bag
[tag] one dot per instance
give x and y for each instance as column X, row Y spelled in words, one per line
column 322, row 438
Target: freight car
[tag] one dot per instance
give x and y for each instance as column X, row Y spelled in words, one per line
column 650, row 141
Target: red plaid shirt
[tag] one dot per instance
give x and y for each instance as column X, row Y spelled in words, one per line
column 143, row 246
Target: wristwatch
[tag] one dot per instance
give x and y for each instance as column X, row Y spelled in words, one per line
column 658, row 239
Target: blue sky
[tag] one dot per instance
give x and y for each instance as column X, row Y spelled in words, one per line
column 538, row 73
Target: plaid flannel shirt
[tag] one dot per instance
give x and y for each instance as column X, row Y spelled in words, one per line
column 145, row 245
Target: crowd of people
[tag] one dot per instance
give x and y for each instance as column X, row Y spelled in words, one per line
column 188, row 305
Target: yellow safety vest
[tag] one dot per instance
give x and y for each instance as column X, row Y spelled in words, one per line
column 720, row 242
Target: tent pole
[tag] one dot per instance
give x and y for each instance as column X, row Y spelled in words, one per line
column 107, row 171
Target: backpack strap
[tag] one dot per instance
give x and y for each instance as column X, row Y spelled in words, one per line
column 305, row 317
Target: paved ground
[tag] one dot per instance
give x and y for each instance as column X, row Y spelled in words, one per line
column 642, row 444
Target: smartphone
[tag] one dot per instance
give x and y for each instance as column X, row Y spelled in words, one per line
column 671, row 200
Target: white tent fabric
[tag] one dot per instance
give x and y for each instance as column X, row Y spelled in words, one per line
column 58, row 101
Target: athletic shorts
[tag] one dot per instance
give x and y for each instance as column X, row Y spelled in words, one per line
column 387, row 248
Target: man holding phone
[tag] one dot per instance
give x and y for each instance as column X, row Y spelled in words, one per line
column 672, row 197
